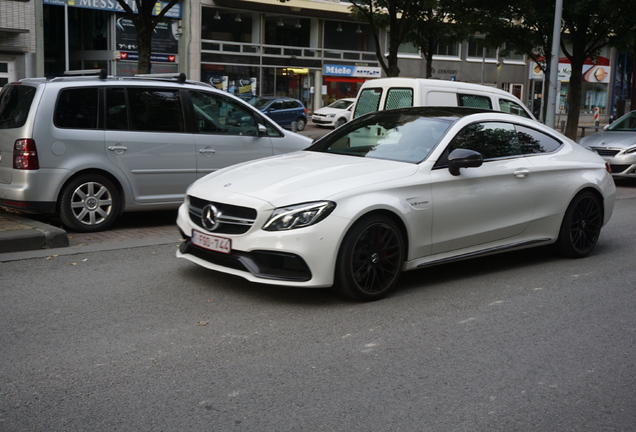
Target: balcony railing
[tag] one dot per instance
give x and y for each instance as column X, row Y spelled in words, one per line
column 329, row 55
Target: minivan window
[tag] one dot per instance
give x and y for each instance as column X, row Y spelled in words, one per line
column 77, row 108
column 216, row 115
column 155, row 110
column 474, row 101
column 116, row 110
column 368, row 101
column 15, row 101
column 399, row 98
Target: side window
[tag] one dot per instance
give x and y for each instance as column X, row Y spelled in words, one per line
column 155, row 110
column 474, row 101
column 532, row 141
column 491, row 139
column 116, row 111
column 277, row 105
column 513, row 108
column 368, row 101
column 217, row 115
column 399, row 98
column 291, row 104
column 77, row 108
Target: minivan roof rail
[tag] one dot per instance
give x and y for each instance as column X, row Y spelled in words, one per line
column 179, row 77
column 84, row 72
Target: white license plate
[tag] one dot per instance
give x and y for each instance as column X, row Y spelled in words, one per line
column 213, row 243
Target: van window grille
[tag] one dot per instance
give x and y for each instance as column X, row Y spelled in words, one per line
column 399, row 98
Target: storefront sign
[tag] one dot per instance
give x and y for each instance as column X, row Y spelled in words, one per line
column 113, row 6
column 165, row 36
column 593, row 73
column 352, row 71
column 157, row 58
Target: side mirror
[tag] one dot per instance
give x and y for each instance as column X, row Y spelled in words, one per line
column 262, row 129
column 463, row 158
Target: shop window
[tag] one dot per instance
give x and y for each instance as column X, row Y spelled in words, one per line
column 448, row 50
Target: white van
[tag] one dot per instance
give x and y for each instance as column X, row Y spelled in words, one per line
column 390, row 93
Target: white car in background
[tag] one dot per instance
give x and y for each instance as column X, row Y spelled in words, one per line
column 398, row 190
column 335, row 114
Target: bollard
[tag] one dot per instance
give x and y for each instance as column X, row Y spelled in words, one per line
column 294, row 126
column 562, row 125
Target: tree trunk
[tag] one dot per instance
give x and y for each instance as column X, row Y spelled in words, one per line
column 144, row 44
column 574, row 98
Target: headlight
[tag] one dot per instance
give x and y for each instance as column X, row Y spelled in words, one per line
column 630, row 150
column 331, row 115
column 299, row 215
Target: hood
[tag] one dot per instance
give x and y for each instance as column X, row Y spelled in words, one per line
column 611, row 139
column 300, row 177
column 328, row 110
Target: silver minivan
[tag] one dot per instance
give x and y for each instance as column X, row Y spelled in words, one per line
column 89, row 148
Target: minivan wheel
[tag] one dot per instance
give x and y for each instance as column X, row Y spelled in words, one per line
column 89, row 203
column 370, row 260
column 300, row 124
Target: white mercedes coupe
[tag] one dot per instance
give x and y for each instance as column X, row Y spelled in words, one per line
column 397, row 190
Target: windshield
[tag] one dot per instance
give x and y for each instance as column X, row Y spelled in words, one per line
column 260, row 103
column 341, row 104
column 385, row 135
column 625, row 123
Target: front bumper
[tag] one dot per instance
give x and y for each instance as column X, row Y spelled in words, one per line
column 304, row 257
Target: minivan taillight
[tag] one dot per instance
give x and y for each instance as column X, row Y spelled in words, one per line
column 25, row 155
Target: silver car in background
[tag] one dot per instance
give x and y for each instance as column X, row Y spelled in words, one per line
column 88, row 148
column 617, row 145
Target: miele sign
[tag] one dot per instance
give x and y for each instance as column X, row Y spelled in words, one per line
column 352, row 71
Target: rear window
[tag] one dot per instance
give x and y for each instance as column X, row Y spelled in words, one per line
column 15, row 102
column 399, row 98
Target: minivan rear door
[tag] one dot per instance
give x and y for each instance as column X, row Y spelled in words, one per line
column 147, row 138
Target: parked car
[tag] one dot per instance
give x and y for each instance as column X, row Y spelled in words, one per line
column 617, row 145
column 397, row 190
column 391, row 93
column 335, row 114
column 282, row 110
column 90, row 148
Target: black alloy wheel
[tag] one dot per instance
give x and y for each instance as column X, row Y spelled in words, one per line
column 370, row 260
column 581, row 226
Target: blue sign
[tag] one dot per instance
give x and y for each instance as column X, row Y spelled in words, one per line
column 352, row 71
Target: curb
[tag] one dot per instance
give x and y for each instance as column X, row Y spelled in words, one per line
column 22, row 234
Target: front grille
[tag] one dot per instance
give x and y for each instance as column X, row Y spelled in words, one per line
column 618, row 169
column 605, row 151
column 232, row 219
column 264, row 264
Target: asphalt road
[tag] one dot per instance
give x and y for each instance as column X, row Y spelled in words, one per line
column 136, row 340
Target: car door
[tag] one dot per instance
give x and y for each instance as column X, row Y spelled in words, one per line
column 486, row 204
column 147, row 139
column 228, row 132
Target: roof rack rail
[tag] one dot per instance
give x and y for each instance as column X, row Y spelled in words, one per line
column 180, row 77
column 84, row 72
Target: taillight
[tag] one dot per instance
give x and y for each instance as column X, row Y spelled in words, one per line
column 25, row 155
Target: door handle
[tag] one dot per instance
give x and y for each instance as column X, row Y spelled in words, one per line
column 207, row 151
column 119, row 149
column 522, row 172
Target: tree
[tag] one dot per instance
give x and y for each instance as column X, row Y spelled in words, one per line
column 397, row 17
column 437, row 23
column 590, row 25
column 145, row 22
column 522, row 26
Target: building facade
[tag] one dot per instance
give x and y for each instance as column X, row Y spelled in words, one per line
column 308, row 49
